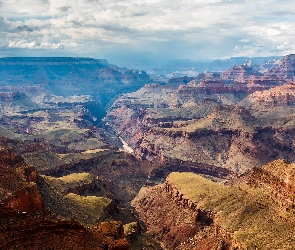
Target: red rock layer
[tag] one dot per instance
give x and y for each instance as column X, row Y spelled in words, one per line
column 278, row 179
column 178, row 224
column 18, row 189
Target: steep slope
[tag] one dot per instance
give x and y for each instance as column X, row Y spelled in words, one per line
column 232, row 121
column 285, row 69
column 190, row 212
column 274, row 106
column 198, row 128
column 18, row 189
column 25, row 224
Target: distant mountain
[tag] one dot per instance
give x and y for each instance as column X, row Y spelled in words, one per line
column 163, row 70
column 69, row 76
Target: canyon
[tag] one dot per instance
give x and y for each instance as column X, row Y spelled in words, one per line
column 97, row 156
column 234, row 120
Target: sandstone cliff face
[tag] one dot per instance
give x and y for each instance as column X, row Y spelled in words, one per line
column 18, row 184
column 189, row 212
column 278, row 179
column 285, row 69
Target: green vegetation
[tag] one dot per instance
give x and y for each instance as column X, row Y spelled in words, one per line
column 138, row 240
column 226, row 118
column 69, row 181
column 58, row 194
column 89, row 207
column 130, row 228
column 248, row 213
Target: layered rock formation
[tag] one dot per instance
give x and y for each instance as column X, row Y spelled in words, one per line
column 275, row 107
column 190, row 212
column 217, row 125
column 234, row 121
column 18, row 183
column 285, row 69
column 25, row 224
column 71, row 76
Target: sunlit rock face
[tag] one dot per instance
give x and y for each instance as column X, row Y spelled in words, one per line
column 191, row 212
column 234, row 120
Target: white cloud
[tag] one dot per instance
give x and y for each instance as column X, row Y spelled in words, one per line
column 175, row 29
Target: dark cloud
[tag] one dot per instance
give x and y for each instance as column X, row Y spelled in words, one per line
column 64, row 8
column 116, row 28
column 77, row 24
column 23, row 28
column 283, row 13
column 3, row 24
column 138, row 13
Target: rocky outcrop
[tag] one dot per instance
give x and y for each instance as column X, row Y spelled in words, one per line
column 190, row 212
column 27, row 231
column 18, row 189
column 278, row 179
column 240, row 74
column 279, row 96
column 27, row 223
column 175, row 220
column 285, row 69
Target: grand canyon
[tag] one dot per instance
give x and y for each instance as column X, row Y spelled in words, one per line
column 97, row 156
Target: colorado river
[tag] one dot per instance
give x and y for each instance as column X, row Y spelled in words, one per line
column 126, row 147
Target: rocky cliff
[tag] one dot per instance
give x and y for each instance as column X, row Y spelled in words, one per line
column 26, row 221
column 206, row 131
column 278, row 179
column 236, row 120
column 190, row 212
column 18, row 184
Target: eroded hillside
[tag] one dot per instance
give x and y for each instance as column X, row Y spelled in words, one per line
column 63, row 170
column 191, row 212
column 234, row 120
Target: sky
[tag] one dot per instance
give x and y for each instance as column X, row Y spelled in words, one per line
column 147, row 30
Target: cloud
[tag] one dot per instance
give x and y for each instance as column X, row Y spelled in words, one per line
column 183, row 29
